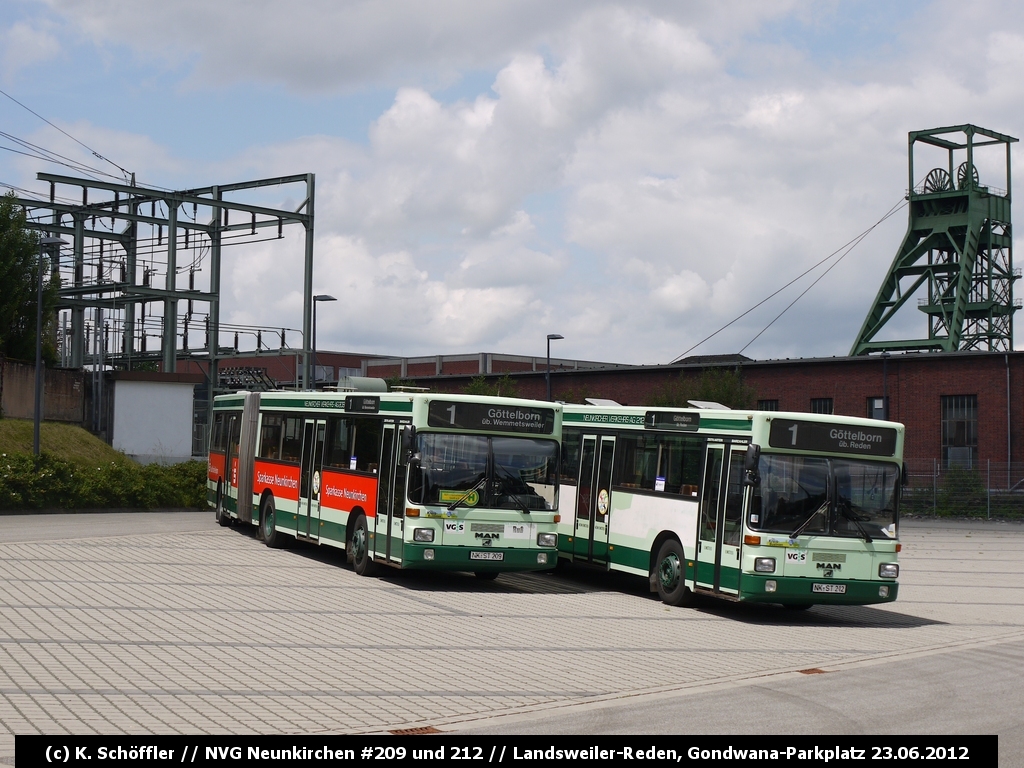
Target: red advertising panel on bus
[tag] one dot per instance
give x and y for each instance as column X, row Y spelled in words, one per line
column 345, row 492
column 281, row 479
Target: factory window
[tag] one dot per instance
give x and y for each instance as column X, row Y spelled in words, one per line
column 821, row 405
column 960, row 430
column 767, row 405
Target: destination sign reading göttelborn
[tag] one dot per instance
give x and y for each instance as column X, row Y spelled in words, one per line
column 686, row 422
column 493, row 418
column 844, row 438
column 361, row 404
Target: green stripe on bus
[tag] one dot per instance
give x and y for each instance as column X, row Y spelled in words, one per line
column 402, row 406
column 732, row 424
column 234, row 402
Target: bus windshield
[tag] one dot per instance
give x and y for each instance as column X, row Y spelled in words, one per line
column 837, row 497
column 479, row 471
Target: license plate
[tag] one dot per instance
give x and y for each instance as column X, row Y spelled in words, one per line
column 832, row 589
column 486, row 555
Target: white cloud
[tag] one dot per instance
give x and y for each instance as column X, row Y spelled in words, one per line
column 25, row 45
column 634, row 177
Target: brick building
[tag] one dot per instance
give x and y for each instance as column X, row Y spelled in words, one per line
column 962, row 408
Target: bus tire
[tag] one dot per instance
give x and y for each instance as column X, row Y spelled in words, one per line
column 486, row 575
column 668, row 574
column 268, row 528
column 219, row 513
column 362, row 557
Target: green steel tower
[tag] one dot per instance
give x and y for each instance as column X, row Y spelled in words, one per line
column 958, row 247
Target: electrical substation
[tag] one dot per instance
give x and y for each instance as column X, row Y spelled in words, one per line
column 140, row 281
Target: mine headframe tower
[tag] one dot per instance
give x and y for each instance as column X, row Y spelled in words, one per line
column 958, row 246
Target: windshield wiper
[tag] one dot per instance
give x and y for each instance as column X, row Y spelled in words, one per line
column 462, row 499
column 807, row 522
column 508, row 489
column 845, row 511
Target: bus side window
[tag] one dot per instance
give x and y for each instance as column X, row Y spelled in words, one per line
column 270, row 436
column 336, row 452
column 217, row 442
column 570, row 464
column 291, row 439
column 236, row 433
column 365, row 439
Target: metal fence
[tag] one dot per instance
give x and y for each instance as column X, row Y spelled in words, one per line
column 990, row 489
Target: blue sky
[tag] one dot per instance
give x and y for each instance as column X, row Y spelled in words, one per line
column 630, row 175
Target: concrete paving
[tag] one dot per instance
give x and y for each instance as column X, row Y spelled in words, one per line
column 166, row 623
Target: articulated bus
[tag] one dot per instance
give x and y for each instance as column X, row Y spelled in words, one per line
column 789, row 508
column 442, row 482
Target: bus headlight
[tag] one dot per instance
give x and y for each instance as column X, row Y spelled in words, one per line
column 888, row 570
column 883, row 591
column 764, row 564
column 547, row 539
column 423, row 534
column 770, row 585
column 428, row 554
column 542, row 558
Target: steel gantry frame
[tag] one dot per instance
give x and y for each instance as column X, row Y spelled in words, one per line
column 108, row 218
column 959, row 244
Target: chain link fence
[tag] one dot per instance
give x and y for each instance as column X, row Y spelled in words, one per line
column 990, row 489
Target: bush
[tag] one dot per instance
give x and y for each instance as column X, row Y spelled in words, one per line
column 39, row 482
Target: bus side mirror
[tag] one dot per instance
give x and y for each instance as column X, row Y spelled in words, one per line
column 750, row 475
column 409, row 455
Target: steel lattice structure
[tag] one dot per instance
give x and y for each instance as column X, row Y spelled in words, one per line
column 958, row 246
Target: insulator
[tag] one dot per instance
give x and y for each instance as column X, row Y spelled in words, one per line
column 236, row 341
column 253, row 224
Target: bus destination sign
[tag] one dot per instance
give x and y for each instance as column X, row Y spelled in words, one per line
column 684, row 422
column 832, row 438
column 362, row 404
column 492, row 418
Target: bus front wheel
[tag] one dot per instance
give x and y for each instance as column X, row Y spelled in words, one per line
column 669, row 574
column 362, row 558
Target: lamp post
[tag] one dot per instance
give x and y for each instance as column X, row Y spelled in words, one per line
column 320, row 297
column 547, row 368
column 38, row 417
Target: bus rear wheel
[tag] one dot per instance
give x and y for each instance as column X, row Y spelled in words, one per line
column 268, row 524
column 362, row 558
column 669, row 574
column 219, row 513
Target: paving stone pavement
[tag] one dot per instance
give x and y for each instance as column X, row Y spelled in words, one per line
column 206, row 630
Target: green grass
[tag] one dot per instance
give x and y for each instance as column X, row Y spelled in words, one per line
column 76, row 470
column 63, row 441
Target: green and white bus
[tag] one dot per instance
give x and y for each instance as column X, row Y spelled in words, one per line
column 443, row 482
column 790, row 508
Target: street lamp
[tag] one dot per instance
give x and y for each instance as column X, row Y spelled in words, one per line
column 320, row 297
column 43, row 242
column 547, row 369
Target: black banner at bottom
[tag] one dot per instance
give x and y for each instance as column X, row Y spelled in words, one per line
column 467, row 751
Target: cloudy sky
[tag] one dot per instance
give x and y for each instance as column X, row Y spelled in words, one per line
column 632, row 175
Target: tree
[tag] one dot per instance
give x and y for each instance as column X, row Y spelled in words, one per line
column 715, row 384
column 19, row 260
column 503, row 387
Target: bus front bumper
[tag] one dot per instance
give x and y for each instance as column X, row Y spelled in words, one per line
column 442, row 558
column 800, row 591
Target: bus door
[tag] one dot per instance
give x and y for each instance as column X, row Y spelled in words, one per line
column 720, row 529
column 388, row 530
column 234, row 427
column 308, row 519
column 593, row 500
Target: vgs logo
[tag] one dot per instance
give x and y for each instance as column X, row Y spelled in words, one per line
column 454, row 526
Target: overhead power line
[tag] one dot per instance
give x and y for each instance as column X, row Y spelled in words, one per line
column 844, row 249
column 94, row 153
